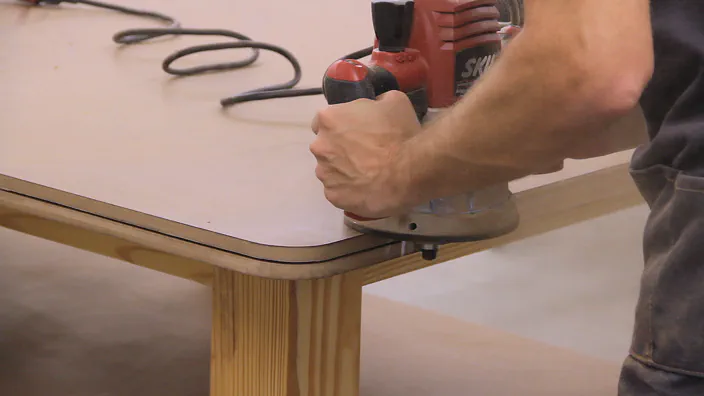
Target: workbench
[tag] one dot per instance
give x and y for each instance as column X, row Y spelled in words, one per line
column 100, row 150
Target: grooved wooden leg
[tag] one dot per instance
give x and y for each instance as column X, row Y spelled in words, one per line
column 285, row 338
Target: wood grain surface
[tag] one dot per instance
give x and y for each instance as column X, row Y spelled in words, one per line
column 285, row 338
column 78, row 324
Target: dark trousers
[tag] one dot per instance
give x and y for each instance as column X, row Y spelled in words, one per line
column 667, row 353
column 643, row 380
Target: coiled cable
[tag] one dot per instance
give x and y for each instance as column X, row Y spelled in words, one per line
column 511, row 10
column 281, row 90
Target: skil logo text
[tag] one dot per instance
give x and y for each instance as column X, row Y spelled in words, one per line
column 475, row 67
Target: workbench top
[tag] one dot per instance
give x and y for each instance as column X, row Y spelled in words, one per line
column 99, row 128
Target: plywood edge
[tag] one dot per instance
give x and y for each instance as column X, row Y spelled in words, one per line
column 164, row 253
column 106, row 238
column 258, row 250
column 542, row 209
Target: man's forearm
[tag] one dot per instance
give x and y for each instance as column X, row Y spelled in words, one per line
column 576, row 68
column 506, row 128
column 534, row 108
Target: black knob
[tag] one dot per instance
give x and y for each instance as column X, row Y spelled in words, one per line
column 393, row 21
column 429, row 254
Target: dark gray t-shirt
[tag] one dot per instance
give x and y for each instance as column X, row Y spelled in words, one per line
column 673, row 103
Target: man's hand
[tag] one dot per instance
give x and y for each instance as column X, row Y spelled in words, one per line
column 577, row 67
column 358, row 148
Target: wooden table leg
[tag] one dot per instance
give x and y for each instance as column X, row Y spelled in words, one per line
column 285, row 338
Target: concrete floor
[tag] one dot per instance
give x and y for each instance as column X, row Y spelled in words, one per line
column 575, row 287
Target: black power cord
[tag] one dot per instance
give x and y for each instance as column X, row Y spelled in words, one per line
column 511, row 12
column 134, row 36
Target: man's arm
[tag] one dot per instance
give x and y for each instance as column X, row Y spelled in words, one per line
column 578, row 66
column 624, row 133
